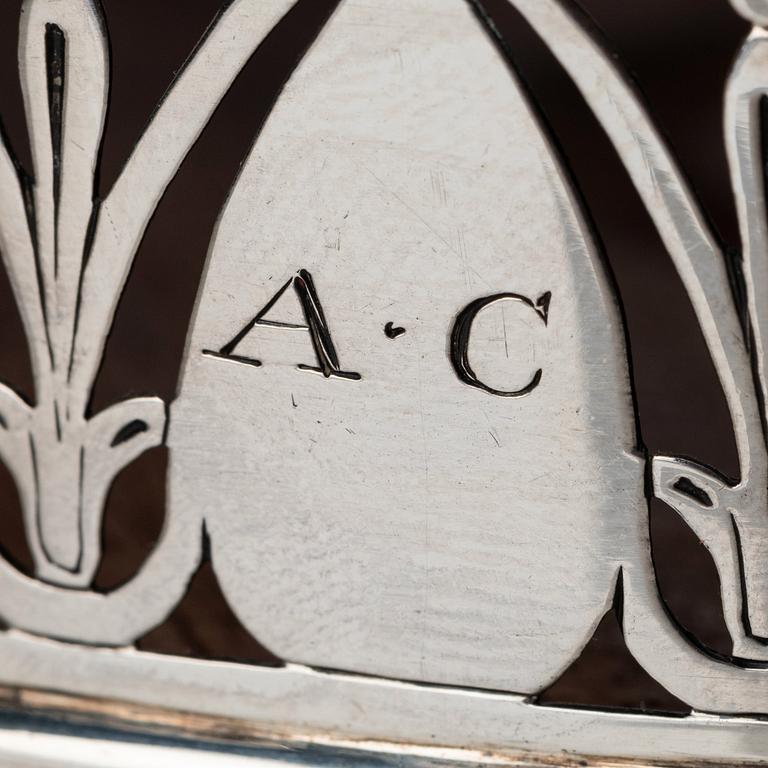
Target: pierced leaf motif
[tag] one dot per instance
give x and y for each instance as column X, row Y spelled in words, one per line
column 735, row 526
column 68, row 256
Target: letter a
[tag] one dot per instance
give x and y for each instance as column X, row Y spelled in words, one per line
column 312, row 321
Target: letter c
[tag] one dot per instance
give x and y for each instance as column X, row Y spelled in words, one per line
column 462, row 330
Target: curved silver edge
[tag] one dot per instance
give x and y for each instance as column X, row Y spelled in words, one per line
column 33, row 742
column 309, row 706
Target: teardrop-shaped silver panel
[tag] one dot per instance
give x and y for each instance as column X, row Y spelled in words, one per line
column 406, row 412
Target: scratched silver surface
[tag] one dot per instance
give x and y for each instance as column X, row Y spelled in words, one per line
column 405, row 411
column 409, row 524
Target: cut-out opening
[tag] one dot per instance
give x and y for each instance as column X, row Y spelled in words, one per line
column 607, row 676
column 15, row 362
column 129, row 431
column 13, row 539
column 12, row 116
column 204, row 626
column 688, row 579
column 133, row 519
column 688, row 488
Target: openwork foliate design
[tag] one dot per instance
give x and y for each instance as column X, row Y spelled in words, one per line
column 406, row 408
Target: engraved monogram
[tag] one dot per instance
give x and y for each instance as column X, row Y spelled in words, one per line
column 325, row 351
column 421, row 443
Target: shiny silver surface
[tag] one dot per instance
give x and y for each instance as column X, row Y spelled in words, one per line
column 300, row 702
column 35, row 742
column 401, row 517
column 405, row 411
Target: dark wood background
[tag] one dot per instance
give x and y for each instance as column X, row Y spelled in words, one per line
column 678, row 51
